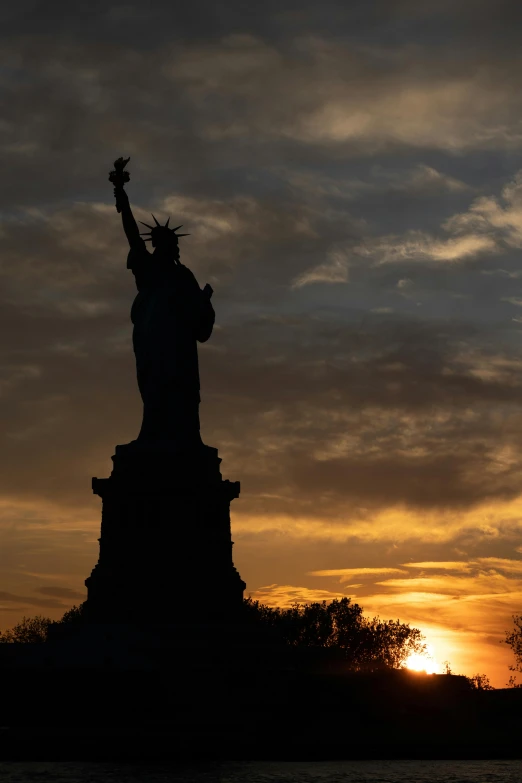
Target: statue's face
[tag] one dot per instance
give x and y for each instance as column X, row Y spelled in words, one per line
column 167, row 246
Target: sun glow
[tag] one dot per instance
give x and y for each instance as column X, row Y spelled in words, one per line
column 423, row 663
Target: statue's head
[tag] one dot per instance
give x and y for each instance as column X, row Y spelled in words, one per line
column 164, row 240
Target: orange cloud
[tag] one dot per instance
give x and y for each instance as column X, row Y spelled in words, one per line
column 346, row 574
column 287, row 595
column 443, row 565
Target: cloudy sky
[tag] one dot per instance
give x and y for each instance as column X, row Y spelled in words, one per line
column 351, row 177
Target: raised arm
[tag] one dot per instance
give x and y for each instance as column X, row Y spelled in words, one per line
column 119, row 177
column 130, row 226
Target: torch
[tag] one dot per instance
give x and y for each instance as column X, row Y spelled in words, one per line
column 119, row 177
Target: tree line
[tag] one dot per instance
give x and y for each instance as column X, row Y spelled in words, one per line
column 363, row 643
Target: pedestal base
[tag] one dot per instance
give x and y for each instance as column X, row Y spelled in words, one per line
column 165, row 544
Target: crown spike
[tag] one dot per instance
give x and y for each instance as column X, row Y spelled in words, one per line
column 167, row 223
column 182, row 235
column 176, row 228
column 155, row 220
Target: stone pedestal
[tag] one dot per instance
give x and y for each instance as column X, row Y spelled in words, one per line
column 165, row 545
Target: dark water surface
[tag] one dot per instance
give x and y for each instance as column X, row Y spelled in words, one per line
column 266, row 772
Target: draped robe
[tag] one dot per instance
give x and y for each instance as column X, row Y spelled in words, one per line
column 170, row 314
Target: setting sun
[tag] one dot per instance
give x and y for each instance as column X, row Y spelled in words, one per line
column 423, row 663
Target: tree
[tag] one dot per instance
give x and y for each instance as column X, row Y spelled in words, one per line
column 480, row 682
column 514, row 640
column 29, row 629
column 390, row 643
column 73, row 616
column 36, row 629
column 365, row 643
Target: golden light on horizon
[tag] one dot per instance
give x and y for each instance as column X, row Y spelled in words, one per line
column 423, row 663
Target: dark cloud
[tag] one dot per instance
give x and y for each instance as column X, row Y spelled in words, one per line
column 61, row 592
column 214, row 90
column 48, row 603
column 367, row 387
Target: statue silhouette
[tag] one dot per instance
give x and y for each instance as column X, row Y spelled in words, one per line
column 166, row 506
column 170, row 314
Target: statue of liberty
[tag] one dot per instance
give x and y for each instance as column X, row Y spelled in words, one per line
column 166, row 506
column 170, row 314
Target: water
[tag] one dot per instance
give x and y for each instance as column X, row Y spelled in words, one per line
column 266, row 772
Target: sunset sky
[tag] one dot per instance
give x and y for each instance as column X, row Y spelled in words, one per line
column 351, row 177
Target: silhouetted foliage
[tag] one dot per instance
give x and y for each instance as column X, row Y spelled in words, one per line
column 36, row 629
column 28, row 630
column 74, row 615
column 366, row 643
column 480, row 682
column 514, row 640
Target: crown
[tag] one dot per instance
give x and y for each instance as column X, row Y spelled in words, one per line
column 159, row 229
